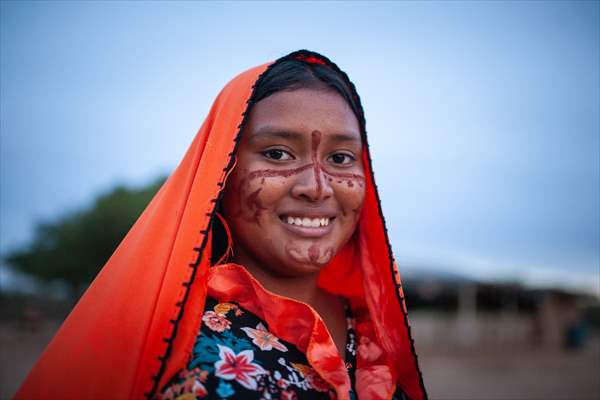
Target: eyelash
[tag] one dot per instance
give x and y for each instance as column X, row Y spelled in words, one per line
column 349, row 158
column 270, row 155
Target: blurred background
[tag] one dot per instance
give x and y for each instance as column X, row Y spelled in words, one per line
column 484, row 127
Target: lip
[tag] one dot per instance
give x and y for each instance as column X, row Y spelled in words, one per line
column 310, row 213
column 309, row 232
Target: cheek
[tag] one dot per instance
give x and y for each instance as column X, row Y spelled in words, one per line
column 232, row 193
column 250, row 195
column 271, row 189
column 264, row 193
column 350, row 194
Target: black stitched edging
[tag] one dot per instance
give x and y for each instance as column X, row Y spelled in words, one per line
column 396, row 285
column 215, row 201
column 362, row 123
column 181, row 304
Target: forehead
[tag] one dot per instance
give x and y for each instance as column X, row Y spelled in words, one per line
column 303, row 111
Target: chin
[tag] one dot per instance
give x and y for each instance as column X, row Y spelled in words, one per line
column 298, row 271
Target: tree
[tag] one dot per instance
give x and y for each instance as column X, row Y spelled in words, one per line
column 75, row 247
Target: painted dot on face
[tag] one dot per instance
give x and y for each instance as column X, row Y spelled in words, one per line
column 276, row 205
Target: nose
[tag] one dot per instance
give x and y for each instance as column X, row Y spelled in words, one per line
column 311, row 185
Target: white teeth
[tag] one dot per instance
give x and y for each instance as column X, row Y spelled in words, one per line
column 307, row 222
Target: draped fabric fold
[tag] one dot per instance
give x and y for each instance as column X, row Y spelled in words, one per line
column 136, row 324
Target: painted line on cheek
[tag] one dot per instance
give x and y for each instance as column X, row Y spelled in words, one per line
column 345, row 175
column 316, row 140
column 269, row 173
column 253, row 202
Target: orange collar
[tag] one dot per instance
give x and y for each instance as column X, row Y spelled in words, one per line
column 299, row 324
column 289, row 319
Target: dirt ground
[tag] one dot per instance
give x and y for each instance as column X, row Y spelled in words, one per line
column 491, row 374
column 20, row 347
column 499, row 374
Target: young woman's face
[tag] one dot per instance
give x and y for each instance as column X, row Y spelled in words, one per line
column 295, row 195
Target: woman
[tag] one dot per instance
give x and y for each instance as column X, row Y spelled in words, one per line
column 282, row 162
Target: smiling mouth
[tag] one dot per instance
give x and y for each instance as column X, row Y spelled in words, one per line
column 306, row 222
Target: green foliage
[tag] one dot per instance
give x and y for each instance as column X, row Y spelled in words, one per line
column 75, row 247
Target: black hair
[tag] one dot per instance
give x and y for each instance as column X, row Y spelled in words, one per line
column 297, row 73
column 300, row 69
column 289, row 74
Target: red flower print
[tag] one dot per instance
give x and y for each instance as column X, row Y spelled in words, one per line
column 193, row 383
column 281, row 383
column 196, row 388
column 216, row 322
column 238, row 367
column 289, row 395
column 170, row 393
column 224, row 308
column 191, row 386
column 264, row 339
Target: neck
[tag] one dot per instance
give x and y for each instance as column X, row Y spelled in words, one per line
column 302, row 288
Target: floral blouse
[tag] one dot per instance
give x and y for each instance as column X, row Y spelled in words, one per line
column 236, row 357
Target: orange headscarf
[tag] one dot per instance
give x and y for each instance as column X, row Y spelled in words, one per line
column 136, row 324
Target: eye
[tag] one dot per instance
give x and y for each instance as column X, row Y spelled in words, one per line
column 341, row 158
column 277, row 155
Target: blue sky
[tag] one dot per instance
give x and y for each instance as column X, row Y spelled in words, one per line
column 483, row 117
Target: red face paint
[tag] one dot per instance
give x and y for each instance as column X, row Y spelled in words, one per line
column 312, row 255
column 316, row 140
column 317, row 167
column 253, row 202
column 248, row 207
column 345, row 175
column 270, row 173
column 262, row 193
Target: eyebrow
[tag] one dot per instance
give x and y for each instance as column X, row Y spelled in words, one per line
column 273, row 132
column 344, row 137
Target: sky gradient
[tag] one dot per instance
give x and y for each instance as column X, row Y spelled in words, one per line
column 483, row 117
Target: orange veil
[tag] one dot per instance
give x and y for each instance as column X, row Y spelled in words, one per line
column 136, row 324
